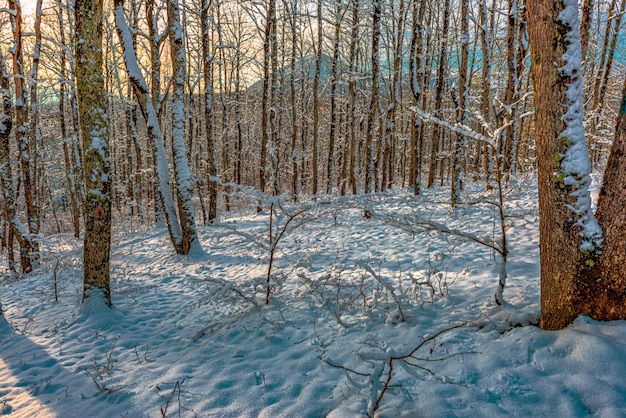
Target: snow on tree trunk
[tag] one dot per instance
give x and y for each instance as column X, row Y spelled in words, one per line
column 569, row 233
column 154, row 130
column 93, row 124
column 22, row 127
column 6, row 176
column 181, row 165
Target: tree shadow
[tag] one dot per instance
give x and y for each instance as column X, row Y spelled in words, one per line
column 34, row 383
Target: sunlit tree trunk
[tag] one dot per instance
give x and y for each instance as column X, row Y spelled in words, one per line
column 26, row 153
column 330, row 166
column 155, row 135
column 207, row 73
column 74, row 195
column 155, row 41
column 265, row 101
column 599, row 79
column 585, row 27
column 293, row 20
column 93, row 124
column 316, row 101
column 485, row 101
column 16, row 228
column 182, row 172
column 569, row 234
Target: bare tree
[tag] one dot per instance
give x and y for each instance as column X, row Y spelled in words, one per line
column 184, row 186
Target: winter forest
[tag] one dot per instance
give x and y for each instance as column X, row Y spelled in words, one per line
column 324, row 208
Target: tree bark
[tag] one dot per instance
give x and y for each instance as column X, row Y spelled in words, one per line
column 568, row 239
column 22, row 129
column 182, row 171
column 207, row 73
column 94, row 126
column 436, row 140
column 16, row 229
column 607, row 300
column 370, row 175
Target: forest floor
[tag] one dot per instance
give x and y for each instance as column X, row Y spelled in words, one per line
column 350, row 294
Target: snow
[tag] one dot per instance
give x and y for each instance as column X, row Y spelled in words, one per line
column 192, row 335
column 575, row 163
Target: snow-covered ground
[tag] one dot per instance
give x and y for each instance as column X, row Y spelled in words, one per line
column 192, row 336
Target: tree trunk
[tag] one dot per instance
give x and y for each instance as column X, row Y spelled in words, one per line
column 416, row 76
column 182, row 172
column 394, row 95
column 155, row 135
column 352, row 133
column 316, row 101
column 292, row 95
column 607, row 300
column 207, row 72
column 16, row 229
column 459, row 144
column 585, row 27
column 569, row 234
column 94, row 127
column 265, row 101
column 333, row 101
column 370, row 176
column 22, row 130
column 436, row 140
column 155, row 41
column 69, row 166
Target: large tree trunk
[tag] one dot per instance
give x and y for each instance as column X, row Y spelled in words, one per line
column 94, row 128
column 608, row 299
column 569, row 234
